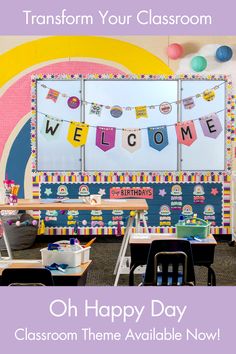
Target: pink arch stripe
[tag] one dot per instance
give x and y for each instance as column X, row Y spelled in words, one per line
column 15, row 103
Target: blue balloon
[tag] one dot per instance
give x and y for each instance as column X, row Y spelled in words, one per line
column 224, row 53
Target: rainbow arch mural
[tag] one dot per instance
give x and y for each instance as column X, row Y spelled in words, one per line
column 59, row 54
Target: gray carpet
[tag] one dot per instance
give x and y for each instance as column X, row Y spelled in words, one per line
column 104, row 257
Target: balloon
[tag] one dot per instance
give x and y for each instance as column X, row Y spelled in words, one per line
column 224, row 53
column 198, row 63
column 175, row 51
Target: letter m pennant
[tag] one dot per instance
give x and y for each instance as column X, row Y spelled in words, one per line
column 186, row 132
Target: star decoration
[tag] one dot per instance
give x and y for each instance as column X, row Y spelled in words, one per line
column 101, row 192
column 162, row 192
column 214, row 191
column 48, row 191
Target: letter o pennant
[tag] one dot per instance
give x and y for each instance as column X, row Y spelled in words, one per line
column 158, row 137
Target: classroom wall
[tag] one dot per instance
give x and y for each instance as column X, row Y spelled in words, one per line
column 22, row 56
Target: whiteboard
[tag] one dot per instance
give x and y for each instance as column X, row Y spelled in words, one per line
column 205, row 153
column 130, row 93
column 57, row 154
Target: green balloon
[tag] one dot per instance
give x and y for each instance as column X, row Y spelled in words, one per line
column 198, row 63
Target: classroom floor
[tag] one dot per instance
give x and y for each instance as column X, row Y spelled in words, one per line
column 104, row 257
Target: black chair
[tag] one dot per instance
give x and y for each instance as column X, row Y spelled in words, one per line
column 27, row 277
column 170, row 262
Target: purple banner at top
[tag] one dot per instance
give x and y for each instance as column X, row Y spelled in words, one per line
column 104, row 17
column 180, row 320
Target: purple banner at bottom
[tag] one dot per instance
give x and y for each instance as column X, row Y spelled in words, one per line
column 118, row 320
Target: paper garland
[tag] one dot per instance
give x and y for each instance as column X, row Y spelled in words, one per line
column 131, row 137
column 141, row 111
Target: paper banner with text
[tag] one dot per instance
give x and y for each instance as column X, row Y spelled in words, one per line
column 105, row 138
column 131, row 139
column 211, row 126
column 158, row 137
column 53, row 95
column 50, row 128
column 95, row 109
column 141, row 112
column 77, row 133
column 186, row 132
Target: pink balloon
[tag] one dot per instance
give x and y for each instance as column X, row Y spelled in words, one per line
column 175, row 51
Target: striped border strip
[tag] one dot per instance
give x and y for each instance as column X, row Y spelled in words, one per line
column 111, row 231
column 143, row 177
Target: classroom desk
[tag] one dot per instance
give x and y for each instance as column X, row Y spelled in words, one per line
column 137, row 205
column 203, row 252
column 72, row 276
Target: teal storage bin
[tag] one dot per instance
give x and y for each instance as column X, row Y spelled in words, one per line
column 200, row 229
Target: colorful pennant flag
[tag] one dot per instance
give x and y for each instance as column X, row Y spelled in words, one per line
column 131, row 139
column 95, row 109
column 77, row 133
column 158, row 137
column 52, row 95
column 186, row 132
column 50, row 128
column 105, row 138
column 211, row 125
column 188, row 103
column 141, row 112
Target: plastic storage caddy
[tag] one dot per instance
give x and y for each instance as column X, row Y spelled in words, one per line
column 65, row 255
column 196, row 227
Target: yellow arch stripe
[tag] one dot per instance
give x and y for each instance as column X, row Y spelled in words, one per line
column 134, row 58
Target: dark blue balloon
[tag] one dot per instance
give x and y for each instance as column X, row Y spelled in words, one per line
column 224, row 53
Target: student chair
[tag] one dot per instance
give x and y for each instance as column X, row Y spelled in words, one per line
column 170, row 262
column 27, row 277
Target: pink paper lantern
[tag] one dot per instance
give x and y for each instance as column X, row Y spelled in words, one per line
column 175, row 51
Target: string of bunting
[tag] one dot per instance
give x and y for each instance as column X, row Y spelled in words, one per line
column 131, row 137
column 141, row 111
